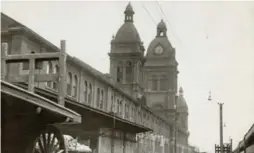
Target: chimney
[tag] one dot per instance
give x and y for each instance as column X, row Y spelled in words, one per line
column 63, row 45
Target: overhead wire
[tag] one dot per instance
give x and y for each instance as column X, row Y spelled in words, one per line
column 148, row 13
column 163, row 14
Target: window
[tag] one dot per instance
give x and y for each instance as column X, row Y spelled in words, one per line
column 49, row 70
column 90, row 93
column 26, row 65
column 75, row 86
column 85, row 92
column 69, row 83
column 5, row 47
column 154, row 83
column 171, row 82
column 129, row 72
column 101, row 101
column 120, row 108
column 112, row 104
column 56, row 71
column 119, row 75
column 126, row 111
column 98, row 98
column 163, row 83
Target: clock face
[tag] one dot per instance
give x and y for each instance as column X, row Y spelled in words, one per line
column 158, row 50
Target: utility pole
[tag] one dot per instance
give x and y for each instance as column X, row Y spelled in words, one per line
column 221, row 123
column 221, row 126
column 175, row 125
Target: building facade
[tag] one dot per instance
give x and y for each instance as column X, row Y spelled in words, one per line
column 151, row 77
column 140, row 88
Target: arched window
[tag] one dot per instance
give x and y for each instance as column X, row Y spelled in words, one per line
column 112, row 104
column 101, row 101
column 85, row 91
column 90, row 93
column 161, row 33
column 120, row 108
column 129, row 72
column 56, row 71
column 69, row 83
column 75, row 86
column 98, row 98
column 119, row 75
column 49, row 70
column 126, row 111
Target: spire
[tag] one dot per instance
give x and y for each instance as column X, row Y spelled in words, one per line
column 162, row 29
column 129, row 13
column 181, row 91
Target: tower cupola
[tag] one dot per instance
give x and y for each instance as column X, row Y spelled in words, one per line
column 129, row 13
column 161, row 29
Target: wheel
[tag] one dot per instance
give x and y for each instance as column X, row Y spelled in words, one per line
column 49, row 140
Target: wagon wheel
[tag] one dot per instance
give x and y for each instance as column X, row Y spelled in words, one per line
column 50, row 140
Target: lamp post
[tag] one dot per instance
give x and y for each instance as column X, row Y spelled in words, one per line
column 221, row 122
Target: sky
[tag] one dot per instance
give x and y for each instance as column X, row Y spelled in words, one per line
column 213, row 42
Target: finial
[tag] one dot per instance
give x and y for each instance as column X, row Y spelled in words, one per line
column 129, row 9
column 181, row 91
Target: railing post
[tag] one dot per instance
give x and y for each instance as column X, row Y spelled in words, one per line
column 31, row 75
column 62, row 74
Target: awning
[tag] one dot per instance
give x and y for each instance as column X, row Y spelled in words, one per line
column 37, row 100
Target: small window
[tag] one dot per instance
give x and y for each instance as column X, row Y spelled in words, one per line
column 85, row 91
column 75, row 86
column 25, row 65
column 5, row 47
column 56, row 69
column 112, row 104
column 69, row 83
column 129, row 72
column 120, row 108
column 101, row 101
column 161, row 33
column 163, row 83
column 90, row 93
column 98, row 98
column 49, row 70
column 154, row 84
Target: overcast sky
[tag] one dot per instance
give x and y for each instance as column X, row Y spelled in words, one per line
column 213, row 41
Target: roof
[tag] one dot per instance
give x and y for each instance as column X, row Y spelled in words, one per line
column 247, row 140
column 162, row 25
column 35, row 99
column 127, row 34
column 181, row 102
column 129, row 9
column 167, row 55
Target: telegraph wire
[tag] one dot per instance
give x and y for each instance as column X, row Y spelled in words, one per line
column 149, row 14
column 168, row 21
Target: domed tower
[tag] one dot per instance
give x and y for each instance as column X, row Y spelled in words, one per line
column 161, row 74
column 127, row 56
column 182, row 109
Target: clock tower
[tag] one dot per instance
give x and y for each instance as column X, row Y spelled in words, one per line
column 160, row 73
column 127, row 57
